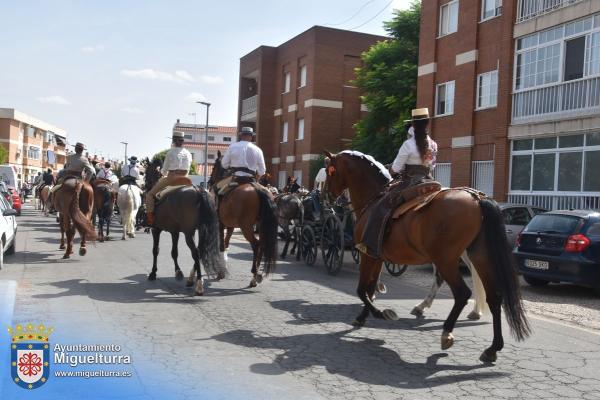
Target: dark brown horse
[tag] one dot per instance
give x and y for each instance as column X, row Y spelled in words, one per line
column 187, row 209
column 455, row 222
column 74, row 201
column 243, row 207
column 104, row 205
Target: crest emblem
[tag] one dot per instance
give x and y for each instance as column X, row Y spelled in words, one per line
column 538, row 241
column 30, row 355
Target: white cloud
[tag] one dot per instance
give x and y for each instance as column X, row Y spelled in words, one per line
column 184, row 75
column 132, row 110
column 53, row 100
column 212, row 80
column 401, row 4
column 92, row 49
column 195, row 96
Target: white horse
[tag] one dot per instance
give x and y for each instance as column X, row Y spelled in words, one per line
column 129, row 201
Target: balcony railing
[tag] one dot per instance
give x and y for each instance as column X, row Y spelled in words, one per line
column 557, row 201
column 249, row 106
column 578, row 97
column 528, row 9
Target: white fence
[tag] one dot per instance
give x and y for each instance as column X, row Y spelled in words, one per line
column 577, row 97
column 482, row 176
column 442, row 173
column 527, row 9
column 557, row 202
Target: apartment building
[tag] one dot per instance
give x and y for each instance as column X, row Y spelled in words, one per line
column 33, row 145
column 219, row 139
column 514, row 86
column 300, row 99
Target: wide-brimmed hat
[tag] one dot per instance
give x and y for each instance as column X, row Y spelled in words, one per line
column 246, row 130
column 419, row 113
column 80, row 145
column 178, row 135
column 132, row 159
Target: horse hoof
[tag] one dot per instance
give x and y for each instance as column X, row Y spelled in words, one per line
column 200, row 287
column 131, row 235
column 447, row 340
column 488, row 356
column 253, row 283
column 189, row 283
column 66, row 256
column 82, row 251
column 381, row 288
column 358, row 323
column 152, row 276
column 259, row 278
column 101, row 240
column 220, row 275
column 417, row 312
column 390, row 315
column 123, row 238
column 178, row 275
column 474, row 316
column 61, row 247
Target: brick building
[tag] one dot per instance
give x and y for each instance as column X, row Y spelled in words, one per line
column 299, row 97
column 514, row 87
column 219, row 139
column 33, row 145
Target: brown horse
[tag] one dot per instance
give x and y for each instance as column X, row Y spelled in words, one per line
column 455, row 222
column 104, row 205
column 74, row 201
column 243, row 207
column 45, row 199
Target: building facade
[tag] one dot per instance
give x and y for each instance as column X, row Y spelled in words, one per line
column 219, row 139
column 300, row 99
column 514, row 87
column 33, row 145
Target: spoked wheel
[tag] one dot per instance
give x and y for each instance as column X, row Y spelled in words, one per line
column 395, row 269
column 355, row 255
column 332, row 244
column 308, row 245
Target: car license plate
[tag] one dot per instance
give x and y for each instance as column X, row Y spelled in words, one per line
column 536, row 264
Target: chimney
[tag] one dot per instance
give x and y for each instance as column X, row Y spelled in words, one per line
column 177, row 120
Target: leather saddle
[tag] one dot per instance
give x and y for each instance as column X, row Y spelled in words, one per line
column 175, row 185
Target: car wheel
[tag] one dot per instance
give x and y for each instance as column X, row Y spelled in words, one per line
column 535, row 281
column 11, row 249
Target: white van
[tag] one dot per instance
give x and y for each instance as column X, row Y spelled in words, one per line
column 9, row 176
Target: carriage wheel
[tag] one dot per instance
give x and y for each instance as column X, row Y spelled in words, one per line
column 332, row 244
column 355, row 255
column 308, row 245
column 395, row 269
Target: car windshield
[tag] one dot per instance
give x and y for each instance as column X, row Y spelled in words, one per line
column 553, row 223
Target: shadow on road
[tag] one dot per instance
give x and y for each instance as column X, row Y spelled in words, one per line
column 358, row 358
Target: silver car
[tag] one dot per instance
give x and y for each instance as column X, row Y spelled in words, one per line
column 516, row 217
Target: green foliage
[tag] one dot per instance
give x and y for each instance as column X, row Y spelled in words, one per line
column 3, row 154
column 314, row 167
column 193, row 168
column 160, row 155
column 388, row 81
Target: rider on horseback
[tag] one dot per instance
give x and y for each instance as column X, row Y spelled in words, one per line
column 130, row 173
column 76, row 164
column 245, row 159
column 176, row 165
column 415, row 162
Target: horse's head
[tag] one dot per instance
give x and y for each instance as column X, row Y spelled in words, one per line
column 335, row 168
column 218, row 171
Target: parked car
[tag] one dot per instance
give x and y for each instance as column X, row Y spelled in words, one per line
column 561, row 246
column 516, row 217
column 8, row 229
column 16, row 200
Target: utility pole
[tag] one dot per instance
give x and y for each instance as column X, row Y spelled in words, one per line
column 125, row 143
column 205, row 144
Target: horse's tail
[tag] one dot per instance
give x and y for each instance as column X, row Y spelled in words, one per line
column 504, row 269
column 267, row 230
column 82, row 224
column 208, row 232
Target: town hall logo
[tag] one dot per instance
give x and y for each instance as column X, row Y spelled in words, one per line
column 30, row 355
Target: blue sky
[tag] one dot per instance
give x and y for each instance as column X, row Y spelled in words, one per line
column 110, row 71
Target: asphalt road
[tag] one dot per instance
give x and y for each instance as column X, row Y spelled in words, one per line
column 289, row 338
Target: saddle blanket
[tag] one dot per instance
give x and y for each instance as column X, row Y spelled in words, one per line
column 166, row 191
column 421, row 201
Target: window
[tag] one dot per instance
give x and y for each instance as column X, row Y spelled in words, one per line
column 442, row 173
column 491, row 9
column 226, row 139
column 298, row 176
column 487, row 90
column 483, row 176
column 592, row 57
column 574, row 58
column 211, row 156
column 444, row 104
column 538, row 67
column 211, row 138
column 287, row 82
column 33, row 153
column 187, row 136
column 284, row 133
column 521, row 173
column 303, row 76
column 569, row 171
column 449, row 18
column 591, row 181
column 300, row 129
column 282, row 179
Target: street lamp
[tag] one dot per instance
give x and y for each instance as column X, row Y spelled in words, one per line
column 125, row 143
column 205, row 143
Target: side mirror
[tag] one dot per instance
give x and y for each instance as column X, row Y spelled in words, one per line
column 11, row 212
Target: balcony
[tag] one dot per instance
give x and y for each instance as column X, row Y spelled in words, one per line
column 249, row 108
column 528, row 9
column 558, row 201
column 567, row 99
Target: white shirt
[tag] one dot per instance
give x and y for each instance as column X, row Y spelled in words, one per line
column 177, row 158
column 409, row 155
column 320, row 179
column 104, row 174
column 131, row 170
column 244, row 154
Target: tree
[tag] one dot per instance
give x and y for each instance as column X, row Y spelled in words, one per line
column 3, row 154
column 388, row 81
column 160, row 155
column 193, row 168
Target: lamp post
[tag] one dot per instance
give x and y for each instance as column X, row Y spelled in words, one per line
column 125, row 143
column 205, row 143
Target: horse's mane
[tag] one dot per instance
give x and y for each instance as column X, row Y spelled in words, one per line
column 373, row 163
